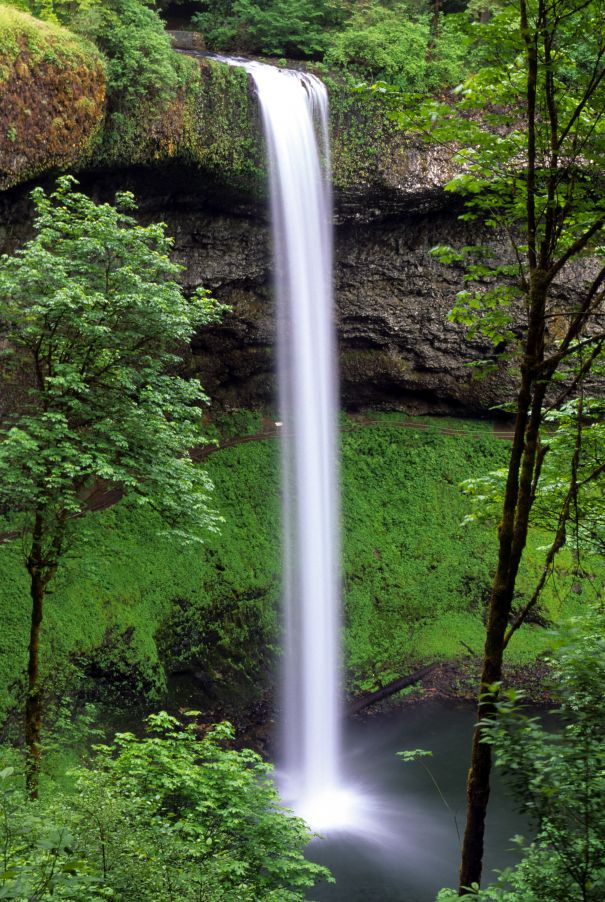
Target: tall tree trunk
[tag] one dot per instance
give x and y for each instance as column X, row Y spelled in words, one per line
column 513, row 530
column 33, row 703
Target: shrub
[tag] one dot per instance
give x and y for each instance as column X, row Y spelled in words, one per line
column 399, row 46
column 170, row 816
column 383, row 43
column 277, row 27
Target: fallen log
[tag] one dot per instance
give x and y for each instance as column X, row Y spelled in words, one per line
column 365, row 701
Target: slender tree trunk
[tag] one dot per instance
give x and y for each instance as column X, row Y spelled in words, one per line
column 41, row 565
column 512, row 538
column 33, row 703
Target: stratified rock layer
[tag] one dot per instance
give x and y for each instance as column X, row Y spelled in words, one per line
column 397, row 348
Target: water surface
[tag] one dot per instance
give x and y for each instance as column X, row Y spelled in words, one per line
column 415, row 849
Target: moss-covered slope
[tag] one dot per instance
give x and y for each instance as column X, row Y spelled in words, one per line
column 52, row 97
column 415, row 580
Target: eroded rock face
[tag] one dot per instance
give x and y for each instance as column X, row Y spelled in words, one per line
column 397, row 349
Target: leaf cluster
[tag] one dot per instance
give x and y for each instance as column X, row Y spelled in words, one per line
column 175, row 815
column 93, row 316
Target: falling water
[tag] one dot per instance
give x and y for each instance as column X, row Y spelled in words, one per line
column 294, row 109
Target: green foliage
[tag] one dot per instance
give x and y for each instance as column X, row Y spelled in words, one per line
column 558, row 775
column 383, row 43
column 38, row 859
column 397, row 45
column 414, row 754
column 175, row 815
column 488, row 129
column 130, row 598
column 92, row 314
column 276, row 27
column 575, row 423
column 144, row 74
column 42, row 41
column 396, row 42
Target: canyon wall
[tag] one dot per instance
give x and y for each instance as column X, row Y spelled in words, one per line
column 200, row 169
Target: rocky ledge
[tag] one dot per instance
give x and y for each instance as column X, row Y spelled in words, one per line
column 54, row 116
column 200, row 169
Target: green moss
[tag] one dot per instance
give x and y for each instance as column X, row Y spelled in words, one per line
column 41, row 42
column 52, row 97
column 224, row 134
column 415, row 580
column 365, row 143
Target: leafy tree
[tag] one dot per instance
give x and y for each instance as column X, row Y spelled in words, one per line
column 558, row 775
column 280, row 27
column 397, row 44
column 174, row 815
column 91, row 315
column 569, row 502
column 531, row 137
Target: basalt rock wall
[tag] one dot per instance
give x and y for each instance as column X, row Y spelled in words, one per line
column 206, row 179
column 397, row 348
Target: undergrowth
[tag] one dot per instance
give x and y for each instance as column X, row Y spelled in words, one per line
column 130, row 600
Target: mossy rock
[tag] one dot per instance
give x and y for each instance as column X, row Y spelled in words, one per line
column 52, row 97
column 225, row 135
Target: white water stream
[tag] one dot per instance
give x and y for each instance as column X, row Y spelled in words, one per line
column 294, row 109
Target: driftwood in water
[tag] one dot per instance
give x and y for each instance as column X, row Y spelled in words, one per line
column 390, row 689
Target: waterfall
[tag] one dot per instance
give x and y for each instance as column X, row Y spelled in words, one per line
column 294, row 108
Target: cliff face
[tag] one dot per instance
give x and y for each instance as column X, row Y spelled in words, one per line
column 396, row 347
column 201, row 171
column 54, row 115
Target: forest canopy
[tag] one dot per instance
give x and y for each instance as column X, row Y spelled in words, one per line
column 417, row 45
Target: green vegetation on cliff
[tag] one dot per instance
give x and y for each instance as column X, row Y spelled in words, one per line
column 415, row 580
column 147, row 81
column 52, row 96
column 410, row 44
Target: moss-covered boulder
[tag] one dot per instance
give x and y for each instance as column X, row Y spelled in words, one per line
column 52, row 97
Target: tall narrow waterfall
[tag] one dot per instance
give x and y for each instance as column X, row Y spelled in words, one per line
column 295, row 117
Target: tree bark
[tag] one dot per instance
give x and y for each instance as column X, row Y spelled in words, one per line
column 33, row 703
column 513, row 531
column 397, row 685
column 41, row 565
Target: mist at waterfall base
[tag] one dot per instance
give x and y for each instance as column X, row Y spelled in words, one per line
column 411, row 848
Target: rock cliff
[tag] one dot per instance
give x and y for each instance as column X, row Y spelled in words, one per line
column 201, row 171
